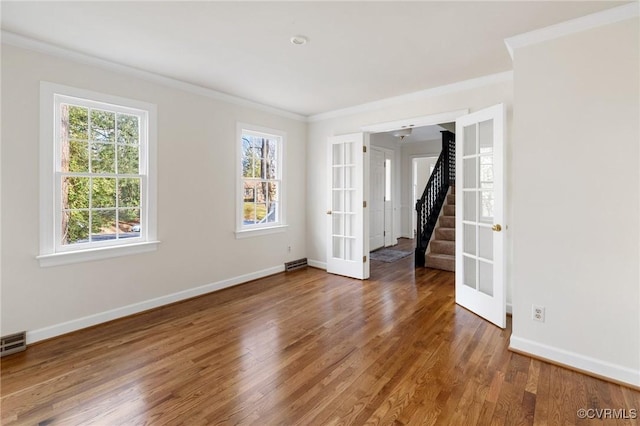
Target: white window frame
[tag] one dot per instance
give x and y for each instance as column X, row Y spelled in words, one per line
column 242, row 230
column 52, row 252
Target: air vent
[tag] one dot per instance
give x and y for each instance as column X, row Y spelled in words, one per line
column 13, row 343
column 295, row 264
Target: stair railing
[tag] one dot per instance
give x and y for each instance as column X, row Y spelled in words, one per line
column 429, row 205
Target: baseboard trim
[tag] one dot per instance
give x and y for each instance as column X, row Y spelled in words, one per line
column 577, row 362
column 34, row 336
column 317, row 264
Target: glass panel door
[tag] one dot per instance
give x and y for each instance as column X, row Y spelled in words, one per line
column 480, row 274
column 346, row 245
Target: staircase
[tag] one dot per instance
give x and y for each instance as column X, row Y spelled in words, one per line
column 442, row 249
column 433, row 202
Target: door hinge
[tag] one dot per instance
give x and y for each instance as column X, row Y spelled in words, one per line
column 364, row 148
column 384, row 233
column 364, row 259
column 364, row 204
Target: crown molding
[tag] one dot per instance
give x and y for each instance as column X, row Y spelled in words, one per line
column 459, row 86
column 584, row 23
column 428, row 120
column 17, row 40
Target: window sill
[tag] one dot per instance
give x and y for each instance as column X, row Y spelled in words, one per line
column 65, row 258
column 256, row 232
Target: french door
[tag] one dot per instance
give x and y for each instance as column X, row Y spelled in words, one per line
column 347, row 225
column 480, row 237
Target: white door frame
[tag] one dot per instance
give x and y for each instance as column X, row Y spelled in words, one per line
column 420, row 121
column 426, row 120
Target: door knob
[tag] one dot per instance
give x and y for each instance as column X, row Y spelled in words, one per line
column 328, row 211
column 496, row 228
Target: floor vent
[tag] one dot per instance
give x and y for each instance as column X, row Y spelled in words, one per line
column 295, row 264
column 13, row 343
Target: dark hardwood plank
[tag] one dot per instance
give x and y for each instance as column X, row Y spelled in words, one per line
column 301, row 348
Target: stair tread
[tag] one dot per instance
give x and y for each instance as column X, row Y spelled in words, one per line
column 445, row 262
column 443, row 246
column 441, row 256
column 446, row 234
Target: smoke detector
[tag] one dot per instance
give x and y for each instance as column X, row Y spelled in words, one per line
column 299, row 40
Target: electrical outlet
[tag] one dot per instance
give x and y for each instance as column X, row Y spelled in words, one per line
column 537, row 313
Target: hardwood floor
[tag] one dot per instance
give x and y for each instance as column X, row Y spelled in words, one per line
column 302, row 348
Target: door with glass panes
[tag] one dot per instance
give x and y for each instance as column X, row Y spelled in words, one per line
column 348, row 234
column 480, row 266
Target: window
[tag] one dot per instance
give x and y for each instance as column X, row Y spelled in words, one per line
column 260, row 197
column 98, row 185
column 387, row 179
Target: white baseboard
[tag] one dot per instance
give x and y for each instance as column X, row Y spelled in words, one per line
column 576, row 361
column 317, row 264
column 509, row 308
column 95, row 319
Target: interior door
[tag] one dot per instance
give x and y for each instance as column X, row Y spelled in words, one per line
column 377, row 207
column 480, row 265
column 347, row 223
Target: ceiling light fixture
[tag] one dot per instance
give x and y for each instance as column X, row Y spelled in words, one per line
column 299, row 40
column 401, row 133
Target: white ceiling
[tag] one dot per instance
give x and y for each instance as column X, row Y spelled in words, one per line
column 358, row 51
column 419, row 134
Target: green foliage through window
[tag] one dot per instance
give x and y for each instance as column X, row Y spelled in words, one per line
column 261, row 178
column 100, row 166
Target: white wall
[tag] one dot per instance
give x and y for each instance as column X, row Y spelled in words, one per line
column 430, row 148
column 319, row 131
column 423, row 168
column 196, row 216
column 576, row 202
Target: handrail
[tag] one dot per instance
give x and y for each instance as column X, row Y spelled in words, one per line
column 429, row 205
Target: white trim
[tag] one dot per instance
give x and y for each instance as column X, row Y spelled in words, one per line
column 256, row 232
column 65, row 258
column 91, row 320
column 509, row 308
column 23, row 42
column 576, row 360
column 459, row 86
column 245, row 231
column 584, row 23
column 317, row 264
column 425, row 120
column 51, row 253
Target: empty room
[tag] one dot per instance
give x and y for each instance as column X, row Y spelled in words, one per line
column 314, row 213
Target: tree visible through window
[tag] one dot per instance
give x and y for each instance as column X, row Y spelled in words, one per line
column 98, row 160
column 100, row 179
column 261, row 179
